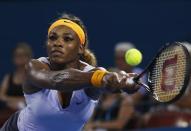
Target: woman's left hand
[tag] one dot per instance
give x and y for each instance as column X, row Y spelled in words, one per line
column 120, row 81
column 127, row 83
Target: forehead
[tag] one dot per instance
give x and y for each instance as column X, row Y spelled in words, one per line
column 63, row 30
column 20, row 50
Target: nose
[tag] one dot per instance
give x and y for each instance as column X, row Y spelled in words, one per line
column 59, row 43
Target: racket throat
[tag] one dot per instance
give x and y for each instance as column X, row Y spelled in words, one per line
column 146, row 86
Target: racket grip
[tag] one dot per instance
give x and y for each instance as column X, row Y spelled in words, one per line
column 130, row 81
column 133, row 80
column 136, row 79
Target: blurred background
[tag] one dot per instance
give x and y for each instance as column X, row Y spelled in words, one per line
column 147, row 24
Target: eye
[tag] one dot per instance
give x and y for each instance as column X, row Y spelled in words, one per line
column 68, row 38
column 52, row 37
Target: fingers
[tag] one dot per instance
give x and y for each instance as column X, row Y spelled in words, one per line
column 132, row 86
column 115, row 81
column 132, row 74
column 127, row 78
column 121, row 80
column 122, row 73
column 130, row 81
column 111, row 79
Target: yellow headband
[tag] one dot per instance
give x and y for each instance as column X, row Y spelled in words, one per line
column 75, row 27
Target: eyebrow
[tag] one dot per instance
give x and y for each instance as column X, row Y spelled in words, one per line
column 52, row 32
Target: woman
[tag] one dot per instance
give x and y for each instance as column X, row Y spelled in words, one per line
column 11, row 89
column 58, row 88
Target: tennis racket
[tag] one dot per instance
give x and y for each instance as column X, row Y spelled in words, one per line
column 168, row 73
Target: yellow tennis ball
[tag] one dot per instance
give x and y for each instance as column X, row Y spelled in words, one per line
column 133, row 57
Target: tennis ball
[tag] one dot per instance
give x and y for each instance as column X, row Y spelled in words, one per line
column 133, row 57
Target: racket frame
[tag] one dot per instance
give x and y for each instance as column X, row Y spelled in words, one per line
column 150, row 66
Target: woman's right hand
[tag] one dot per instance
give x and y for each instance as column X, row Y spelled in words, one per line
column 120, row 81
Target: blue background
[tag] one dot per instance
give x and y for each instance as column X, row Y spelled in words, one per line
column 148, row 24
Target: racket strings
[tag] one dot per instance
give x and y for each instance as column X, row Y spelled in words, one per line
column 177, row 80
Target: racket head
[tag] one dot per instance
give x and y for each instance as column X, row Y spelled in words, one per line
column 169, row 72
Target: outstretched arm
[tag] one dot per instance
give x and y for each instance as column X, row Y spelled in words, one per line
column 40, row 76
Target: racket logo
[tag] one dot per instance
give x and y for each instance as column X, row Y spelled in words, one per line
column 169, row 74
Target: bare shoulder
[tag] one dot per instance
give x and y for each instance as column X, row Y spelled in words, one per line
column 6, row 77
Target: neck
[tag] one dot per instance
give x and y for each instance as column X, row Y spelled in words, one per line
column 72, row 64
column 20, row 71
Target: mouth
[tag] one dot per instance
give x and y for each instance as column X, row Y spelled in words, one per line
column 56, row 53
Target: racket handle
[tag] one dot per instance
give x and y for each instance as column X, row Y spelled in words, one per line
column 130, row 80
column 136, row 80
column 133, row 80
column 144, row 85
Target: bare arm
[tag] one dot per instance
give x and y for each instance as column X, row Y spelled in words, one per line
column 40, row 76
column 4, row 87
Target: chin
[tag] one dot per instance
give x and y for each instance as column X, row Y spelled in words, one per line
column 57, row 60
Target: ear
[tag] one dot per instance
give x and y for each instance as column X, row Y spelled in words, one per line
column 81, row 49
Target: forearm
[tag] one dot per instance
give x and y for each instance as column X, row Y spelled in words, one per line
column 65, row 80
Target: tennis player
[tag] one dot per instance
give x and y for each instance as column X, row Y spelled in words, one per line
column 62, row 90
